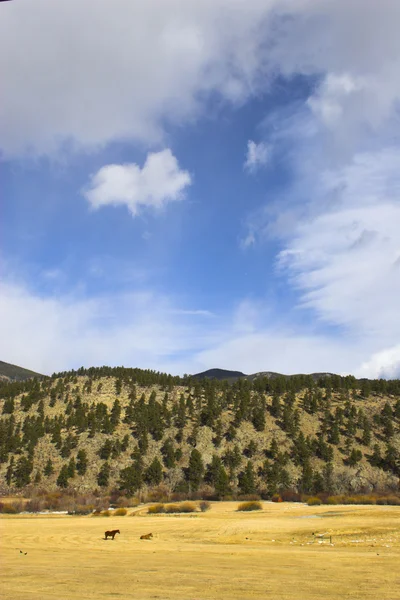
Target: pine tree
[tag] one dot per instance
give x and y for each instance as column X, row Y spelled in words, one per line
column 48, row 470
column 195, row 470
column 82, row 462
column 247, row 483
column 71, row 468
column 62, row 479
column 131, row 478
column 104, row 475
column 153, row 474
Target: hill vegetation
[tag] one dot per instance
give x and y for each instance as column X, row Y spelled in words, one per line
column 142, row 432
column 13, row 373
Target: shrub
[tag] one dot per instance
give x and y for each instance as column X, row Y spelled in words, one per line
column 185, row 507
column 249, row 497
column 81, row 509
column 290, row 496
column 105, row 513
column 172, row 508
column 276, row 498
column 120, row 512
column 248, row 506
column 393, row 500
column 188, row 507
column 10, row 509
column 156, row 509
column 35, row 505
column 314, row 501
column 332, row 500
column 123, row 502
column 204, row 506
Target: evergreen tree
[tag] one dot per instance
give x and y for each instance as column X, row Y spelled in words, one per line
column 247, row 483
column 115, row 414
column 168, row 453
column 131, row 478
column 354, row 457
column 258, row 418
column 22, row 472
column 221, row 484
column 104, row 475
column 48, row 469
column 82, row 462
column 153, row 474
column 105, row 450
column 195, row 470
column 10, row 471
column 62, row 479
column 71, row 468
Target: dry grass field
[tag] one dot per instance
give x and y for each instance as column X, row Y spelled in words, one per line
column 221, row 554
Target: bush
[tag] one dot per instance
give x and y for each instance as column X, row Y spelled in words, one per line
column 249, row 497
column 314, row 501
column 188, row 507
column 105, row 513
column 204, row 506
column 12, row 508
column 35, row 505
column 276, row 498
column 81, row 509
column 290, row 496
column 185, row 507
column 120, row 512
column 248, row 506
column 332, row 500
column 156, row 509
column 123, row 502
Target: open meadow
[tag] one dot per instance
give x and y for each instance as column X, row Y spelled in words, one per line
column 220, row 554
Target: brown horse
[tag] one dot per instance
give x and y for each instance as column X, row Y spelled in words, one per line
column 148, row 536
column 111, row 534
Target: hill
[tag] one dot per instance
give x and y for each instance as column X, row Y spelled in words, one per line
column 130, row 430
column 10, row 372
column 224, row 374
column 220, row 375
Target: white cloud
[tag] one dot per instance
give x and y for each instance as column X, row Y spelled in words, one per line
column 50, row 334
column 144, row 329
column 384, row 364
column 257, row 156
column 158, row 182
column 87, row 73
column 344, row 256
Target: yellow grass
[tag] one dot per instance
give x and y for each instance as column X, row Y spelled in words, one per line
column 220, row 554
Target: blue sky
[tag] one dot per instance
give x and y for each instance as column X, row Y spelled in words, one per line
column 193, row 185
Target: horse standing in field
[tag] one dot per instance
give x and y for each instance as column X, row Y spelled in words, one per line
column 111, row 534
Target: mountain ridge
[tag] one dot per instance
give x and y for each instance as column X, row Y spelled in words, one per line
column 226, row 374
column 10, row 372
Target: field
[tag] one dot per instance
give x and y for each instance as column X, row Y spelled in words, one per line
column 221, row 554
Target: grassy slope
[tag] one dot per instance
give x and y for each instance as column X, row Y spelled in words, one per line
column 245, row 433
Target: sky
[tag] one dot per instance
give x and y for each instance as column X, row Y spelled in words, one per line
column 188, row 185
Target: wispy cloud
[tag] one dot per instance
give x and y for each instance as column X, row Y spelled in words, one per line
column 257, row 156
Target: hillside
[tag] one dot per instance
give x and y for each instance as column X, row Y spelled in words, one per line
column 13, row 373
column 135, row 430
column 231, row 376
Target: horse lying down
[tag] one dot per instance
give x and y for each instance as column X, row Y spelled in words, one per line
column 148, row 536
